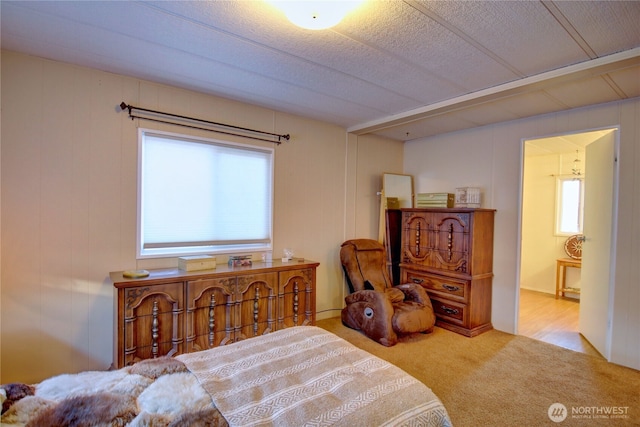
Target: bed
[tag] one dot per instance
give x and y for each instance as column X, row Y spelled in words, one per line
column 301, row 376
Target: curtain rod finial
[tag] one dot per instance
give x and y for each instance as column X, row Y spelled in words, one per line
column 123, row 105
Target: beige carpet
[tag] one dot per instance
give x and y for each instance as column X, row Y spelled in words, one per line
column 499, row 379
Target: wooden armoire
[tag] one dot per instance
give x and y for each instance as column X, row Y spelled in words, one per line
column 449, row 251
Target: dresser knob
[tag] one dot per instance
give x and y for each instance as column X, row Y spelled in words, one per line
column 450, row 288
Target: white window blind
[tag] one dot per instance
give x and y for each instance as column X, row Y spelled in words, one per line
column 203, row 196
column 570, row 206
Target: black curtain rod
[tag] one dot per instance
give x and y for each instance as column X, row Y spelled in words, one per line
column 132, row 115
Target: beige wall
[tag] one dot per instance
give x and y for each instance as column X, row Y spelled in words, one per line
column 540, row 246
column 68, row 204
column 491, row 158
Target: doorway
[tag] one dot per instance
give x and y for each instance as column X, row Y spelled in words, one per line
column 547, row 163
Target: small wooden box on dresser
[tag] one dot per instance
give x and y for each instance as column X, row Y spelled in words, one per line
column 450, row 253
column 171, row 311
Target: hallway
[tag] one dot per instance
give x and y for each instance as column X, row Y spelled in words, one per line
column 544, row 318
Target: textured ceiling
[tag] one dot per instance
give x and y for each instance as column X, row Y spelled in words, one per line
column 402, row 69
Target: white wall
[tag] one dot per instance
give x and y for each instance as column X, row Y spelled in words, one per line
column 69, row 203
column 490, row 157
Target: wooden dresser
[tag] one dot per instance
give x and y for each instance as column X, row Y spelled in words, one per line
column 172, row 311
column 450, row 253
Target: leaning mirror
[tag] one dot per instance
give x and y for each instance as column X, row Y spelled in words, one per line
column 396, row 186
column 397, row 193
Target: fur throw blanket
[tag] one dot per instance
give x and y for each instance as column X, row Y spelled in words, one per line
column 152, row 393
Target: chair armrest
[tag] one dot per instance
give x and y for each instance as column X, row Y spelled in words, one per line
column 416, row 293
column 366, row 296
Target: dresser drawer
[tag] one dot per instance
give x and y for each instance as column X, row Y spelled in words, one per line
column 450, row 311
column 454, row 289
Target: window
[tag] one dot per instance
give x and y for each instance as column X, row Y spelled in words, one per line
column 202, row 196
column 569, row 209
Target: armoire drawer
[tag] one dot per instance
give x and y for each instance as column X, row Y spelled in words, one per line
column 450, row 311
column 450, row 288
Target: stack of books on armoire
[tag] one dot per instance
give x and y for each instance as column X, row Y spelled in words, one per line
column 435, row 200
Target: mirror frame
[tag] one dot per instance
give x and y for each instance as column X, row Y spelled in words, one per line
column 400, row 186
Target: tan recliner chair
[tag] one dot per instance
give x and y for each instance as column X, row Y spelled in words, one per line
column 380, row 310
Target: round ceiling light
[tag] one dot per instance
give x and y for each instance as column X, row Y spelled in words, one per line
column 316, row 15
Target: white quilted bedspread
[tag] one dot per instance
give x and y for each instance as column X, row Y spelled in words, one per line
column 306, row 376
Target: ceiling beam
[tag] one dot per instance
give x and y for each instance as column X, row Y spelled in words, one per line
column 591, row 68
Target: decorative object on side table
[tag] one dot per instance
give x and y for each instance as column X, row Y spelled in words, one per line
column 287, row 254
column 240, row 261
column 435, row 200
column 393, row 203
column 468, row 197
column 197, row 262
column 573, row 246
column 135, row 274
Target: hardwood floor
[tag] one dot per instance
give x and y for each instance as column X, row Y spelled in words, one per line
column 555, row 321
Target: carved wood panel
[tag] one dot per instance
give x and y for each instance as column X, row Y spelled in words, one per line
column 451, row 241
column 152, row 322
column 417, row 238
column 256, row 305
column 296, row 298
column 210, row 313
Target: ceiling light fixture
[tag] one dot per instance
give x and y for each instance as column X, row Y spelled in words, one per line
column 316, row 15
column 576, row 165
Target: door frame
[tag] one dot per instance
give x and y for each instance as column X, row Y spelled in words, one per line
column 614, row 226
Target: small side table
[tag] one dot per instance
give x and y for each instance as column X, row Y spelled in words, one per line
column 561, row 275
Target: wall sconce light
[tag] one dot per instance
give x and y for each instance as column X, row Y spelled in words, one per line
column 315, row 15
